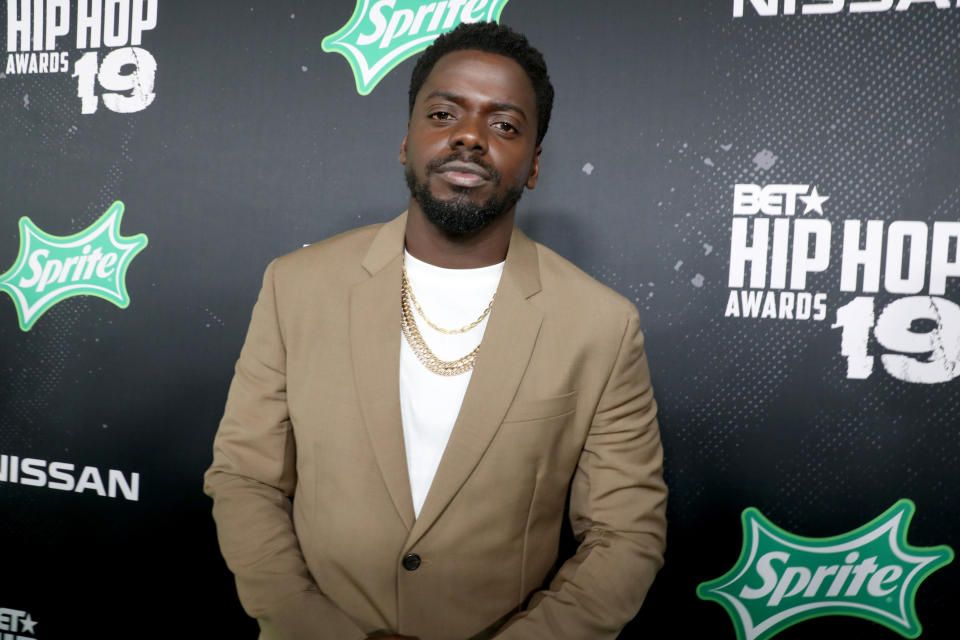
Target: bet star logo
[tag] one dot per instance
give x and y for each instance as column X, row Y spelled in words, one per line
column 782, row 579
column 50, row 268
column 18, row 622
column 383, row 33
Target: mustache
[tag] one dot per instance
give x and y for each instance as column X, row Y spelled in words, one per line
column 456, row 156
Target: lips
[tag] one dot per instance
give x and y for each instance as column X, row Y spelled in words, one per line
column 463, row 174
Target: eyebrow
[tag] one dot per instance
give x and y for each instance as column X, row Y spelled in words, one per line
column 497, row 106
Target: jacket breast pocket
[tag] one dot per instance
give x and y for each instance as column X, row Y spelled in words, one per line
column 542, row 409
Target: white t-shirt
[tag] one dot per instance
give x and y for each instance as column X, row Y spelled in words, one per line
column 430, row 403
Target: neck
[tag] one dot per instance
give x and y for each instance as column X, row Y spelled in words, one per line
column 429, row 244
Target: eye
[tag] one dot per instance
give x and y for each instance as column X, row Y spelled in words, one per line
column 505, row 127
column 440, row 115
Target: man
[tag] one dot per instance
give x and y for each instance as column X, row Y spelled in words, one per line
column 415, row 399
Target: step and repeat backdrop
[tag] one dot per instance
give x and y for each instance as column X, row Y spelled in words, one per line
column 774, row 183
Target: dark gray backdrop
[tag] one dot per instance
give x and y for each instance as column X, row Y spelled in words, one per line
column 258, row 142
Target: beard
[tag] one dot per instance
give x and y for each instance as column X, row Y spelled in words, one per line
column 460, row 216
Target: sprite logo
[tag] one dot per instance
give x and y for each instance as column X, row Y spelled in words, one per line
column 50, row 268
column 782, row 579
column 383, row 33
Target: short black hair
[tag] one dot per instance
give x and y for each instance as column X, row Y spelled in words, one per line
column 491, row 38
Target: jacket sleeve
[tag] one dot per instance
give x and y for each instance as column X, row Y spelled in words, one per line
column 252, row 482
column 617, row 509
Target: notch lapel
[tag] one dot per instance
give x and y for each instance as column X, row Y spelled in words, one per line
column 507, row 344
column 375, row 346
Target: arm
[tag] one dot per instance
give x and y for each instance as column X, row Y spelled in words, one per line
column 617, row 509
column 252, row 481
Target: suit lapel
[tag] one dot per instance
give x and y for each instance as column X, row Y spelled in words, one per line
column 508, row 342
column 375, row 345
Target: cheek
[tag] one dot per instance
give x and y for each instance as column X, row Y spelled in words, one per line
column 419, row 155
column 520, row 171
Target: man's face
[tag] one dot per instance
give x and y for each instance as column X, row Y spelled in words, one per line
column 470, row 147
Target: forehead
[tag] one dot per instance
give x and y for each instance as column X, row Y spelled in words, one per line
column 481, row 76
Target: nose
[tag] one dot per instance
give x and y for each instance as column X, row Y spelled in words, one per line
column 469, row 134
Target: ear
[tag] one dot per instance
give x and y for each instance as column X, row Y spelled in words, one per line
column 403, row 151
column 534, row 169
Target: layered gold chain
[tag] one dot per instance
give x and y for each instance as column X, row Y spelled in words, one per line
column 419, row 346
column 449, row 332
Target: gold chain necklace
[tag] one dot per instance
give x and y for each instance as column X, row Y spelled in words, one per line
column 419, row 346
column 416, row 305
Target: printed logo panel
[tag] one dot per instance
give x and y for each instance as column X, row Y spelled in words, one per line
column 66, row 476
column 820, row 7
column 17, row 625
column 50, row 269
column 123, row 79
column 782, row 579
column 383, row 33
column 780, row 256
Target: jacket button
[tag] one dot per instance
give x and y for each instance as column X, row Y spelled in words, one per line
column 411, row 562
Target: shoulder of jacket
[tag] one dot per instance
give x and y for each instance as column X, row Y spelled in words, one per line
column 332, row 255
column 562, row 279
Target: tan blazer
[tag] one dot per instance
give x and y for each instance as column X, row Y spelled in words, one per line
column 309, row 479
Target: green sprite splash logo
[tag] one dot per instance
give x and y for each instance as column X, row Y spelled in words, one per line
column 383, row 33
column 50, row 268
column 782, row 579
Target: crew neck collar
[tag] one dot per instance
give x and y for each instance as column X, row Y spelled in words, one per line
column 414, row 263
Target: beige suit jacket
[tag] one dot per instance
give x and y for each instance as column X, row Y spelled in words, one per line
column 309, row 479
